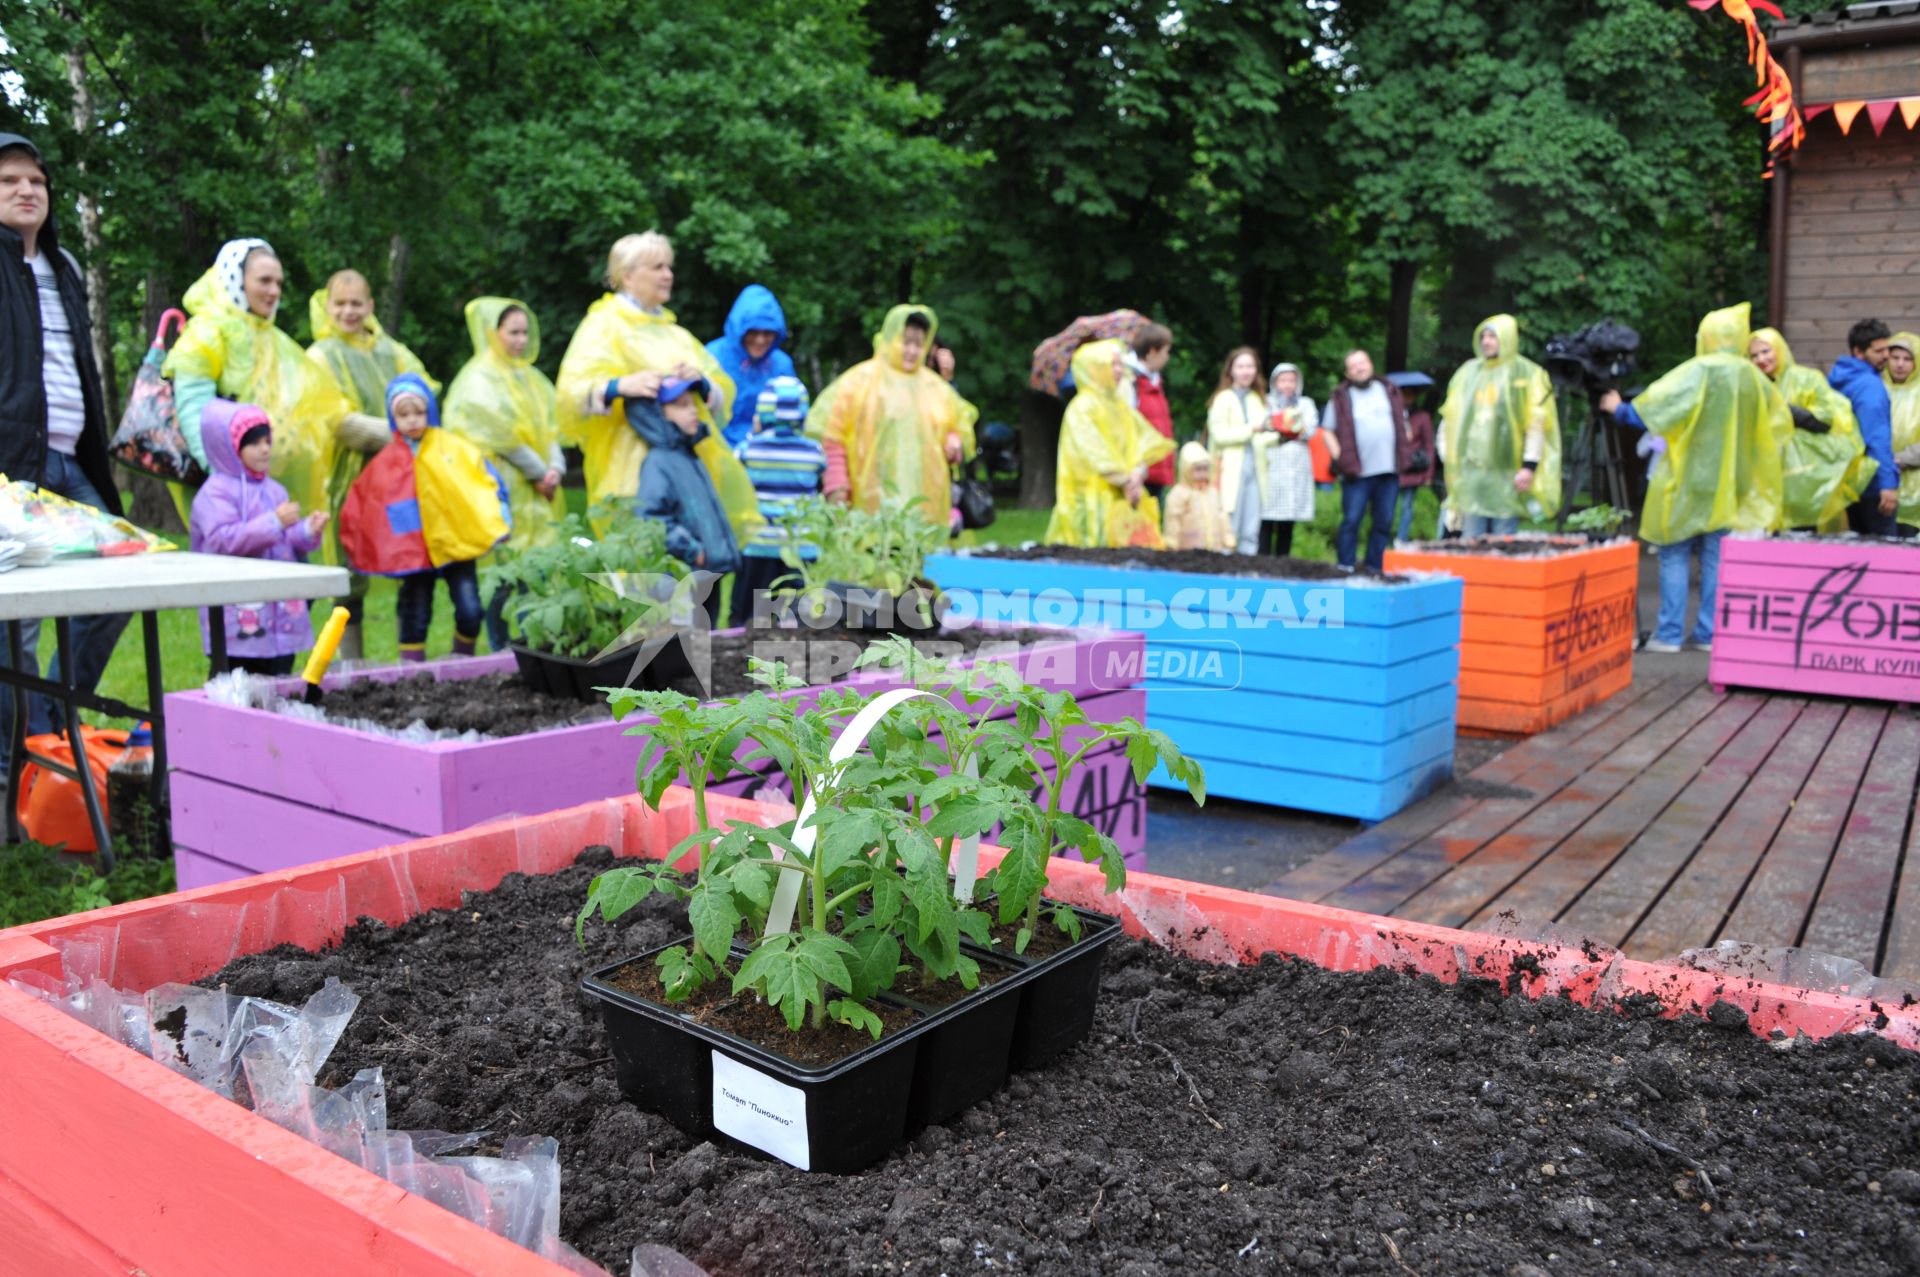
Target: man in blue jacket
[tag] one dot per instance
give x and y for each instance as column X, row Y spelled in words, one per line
column 1858, row 378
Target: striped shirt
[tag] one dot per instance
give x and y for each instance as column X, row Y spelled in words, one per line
column 59, row 367
column 784, row 466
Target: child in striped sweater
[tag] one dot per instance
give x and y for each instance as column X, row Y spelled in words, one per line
column 784, row 466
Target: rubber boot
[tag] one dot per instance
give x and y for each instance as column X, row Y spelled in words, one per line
column 411, row 655
column 463, row 645
column 351, row 647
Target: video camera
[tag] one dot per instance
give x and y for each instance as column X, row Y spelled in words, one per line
column 1593, row 359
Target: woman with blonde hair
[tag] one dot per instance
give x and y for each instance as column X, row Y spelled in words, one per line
column 1238, row 439
column 628, row 344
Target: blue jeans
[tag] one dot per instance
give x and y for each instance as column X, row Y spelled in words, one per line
column 1485, row 525
column 94, row 637
column 1673, row 588
column 1404, row 530
column 414, row 611
column 1375, row 493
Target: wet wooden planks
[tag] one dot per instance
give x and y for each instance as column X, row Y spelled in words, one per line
column 1668, row 819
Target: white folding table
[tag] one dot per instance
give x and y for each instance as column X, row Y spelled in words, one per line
column 147, row 584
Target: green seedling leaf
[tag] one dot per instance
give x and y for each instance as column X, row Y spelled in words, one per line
column 682, row 973
column 875, row 962
column 850, row 1013
column 613, row 893
column 1022, row 939
column 1067, row 920
column 711, row 910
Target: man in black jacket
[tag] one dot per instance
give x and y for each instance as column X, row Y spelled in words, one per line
column 53, row 412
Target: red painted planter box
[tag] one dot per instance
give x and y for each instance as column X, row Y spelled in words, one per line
column 255, row 791
column 117, row 1164
column 1542, row 638
column 1836, row 617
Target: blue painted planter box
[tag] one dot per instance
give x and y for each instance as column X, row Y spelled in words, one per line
column 1330, row 696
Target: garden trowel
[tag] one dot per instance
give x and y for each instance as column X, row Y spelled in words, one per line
column 323, row 650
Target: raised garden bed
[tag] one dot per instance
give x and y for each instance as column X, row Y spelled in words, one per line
column 1317, row 1116
column 1547, row 626
column 1295, row 684
column 1836, row 616
column 256, row 791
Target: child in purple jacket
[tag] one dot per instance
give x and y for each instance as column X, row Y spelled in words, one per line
column 241, row 511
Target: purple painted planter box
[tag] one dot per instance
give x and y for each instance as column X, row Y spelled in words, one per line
column 255, row 791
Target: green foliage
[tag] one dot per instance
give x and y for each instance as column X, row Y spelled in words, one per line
column 583, row 592
column 883, row 550
column 36, row 883
column 1598, row 518
column 877, row 889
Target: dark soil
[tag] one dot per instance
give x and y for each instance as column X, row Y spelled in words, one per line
column 1199, row 562
column 1373, row 1124
column 1504, row 547
column 502, row 705
column 497, row 704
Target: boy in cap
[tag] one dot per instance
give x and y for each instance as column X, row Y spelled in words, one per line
column 785, row 466
column 674, row 486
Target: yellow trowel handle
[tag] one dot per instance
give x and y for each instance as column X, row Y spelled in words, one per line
column 325, row 647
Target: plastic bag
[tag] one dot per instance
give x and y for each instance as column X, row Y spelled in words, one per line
column 77, row 530
column 149, row 438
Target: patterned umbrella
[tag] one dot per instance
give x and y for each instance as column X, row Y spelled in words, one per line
column 1051, row 357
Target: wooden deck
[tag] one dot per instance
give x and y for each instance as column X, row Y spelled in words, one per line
column 1667, row 818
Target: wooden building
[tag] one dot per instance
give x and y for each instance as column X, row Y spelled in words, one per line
column 1845, row 220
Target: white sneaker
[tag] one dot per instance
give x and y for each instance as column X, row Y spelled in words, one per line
column 1656, row 645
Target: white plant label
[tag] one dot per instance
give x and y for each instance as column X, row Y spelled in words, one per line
column 758, row 1110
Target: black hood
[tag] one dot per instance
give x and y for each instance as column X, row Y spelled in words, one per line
column 49, row 244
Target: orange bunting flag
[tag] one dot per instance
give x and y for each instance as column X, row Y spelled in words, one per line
column 1773, row 102
column 1909, row 110
column 1845, row 113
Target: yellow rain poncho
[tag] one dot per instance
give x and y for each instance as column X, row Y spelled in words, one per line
column 504, row 405
column 1491, row 407
column 361, row 365
column 893, row 424
column 1724, row 423
column 249, row 360
column 1102, row 442
column 617, row 338
column 1820, row 474
column 1906, row 426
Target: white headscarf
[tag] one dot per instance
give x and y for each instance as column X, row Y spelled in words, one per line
column 230, row 266
column 1276, row 400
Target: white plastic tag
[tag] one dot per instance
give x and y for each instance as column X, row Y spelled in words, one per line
column 759, row 1110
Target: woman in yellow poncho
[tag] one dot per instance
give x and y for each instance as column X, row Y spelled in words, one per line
column 1502, row 436
column 1717, row 426
column 1105, row 449
column 231, row 348
column 501, row 403
column 1903, row 387
column 362, row 358
column 891, row 425
column 1823, row 464
column 626, row 346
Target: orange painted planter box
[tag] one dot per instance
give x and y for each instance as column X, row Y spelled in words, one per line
column 110, row 1163
column 1541, row 637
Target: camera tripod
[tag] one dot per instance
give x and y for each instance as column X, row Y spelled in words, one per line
column 1595, row 463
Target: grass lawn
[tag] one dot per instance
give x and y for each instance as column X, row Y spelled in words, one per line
column 185, row 662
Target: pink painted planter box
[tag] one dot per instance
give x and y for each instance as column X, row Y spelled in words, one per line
column 255, row 791
column 111, row 1163
column 1832, row 617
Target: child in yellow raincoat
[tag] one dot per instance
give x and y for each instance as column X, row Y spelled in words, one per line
column 362, row 358
column 1105, row 449
column 1903, row 388
column 628, row 344
column 1194, row 519
column 891, row 425
column 504, row 405
column 1823, row 464
column 1501, row 430
column 231, row 348
column 425, row 509
column 1718, row 425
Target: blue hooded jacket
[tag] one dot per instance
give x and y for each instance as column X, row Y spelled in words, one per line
column 756, row 307
column 676, row 491
column 1856, row 379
